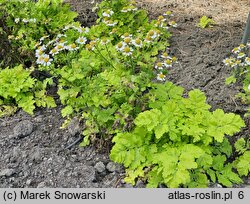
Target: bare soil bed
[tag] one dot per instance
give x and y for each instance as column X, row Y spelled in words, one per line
column 32, row 148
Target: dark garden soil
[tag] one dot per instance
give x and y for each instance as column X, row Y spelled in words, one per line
column 33, row 149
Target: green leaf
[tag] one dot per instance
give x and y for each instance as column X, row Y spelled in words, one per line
column 240, row 145
column 148, row 119
column 221, row 124
column 230, row 80
column 206, row 22
column 218, row 162
column 243, row 164
column 212, row 175
column 227, row 177
column 68, row 110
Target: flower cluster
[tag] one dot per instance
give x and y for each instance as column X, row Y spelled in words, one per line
column 240, row 60
column 165, row 61
column 25, row 20
column 46, row 49
column 125, row 45
column 129, row 8
column 107, row 18
column 129, row 43
column 163, row 23
column 240, row 56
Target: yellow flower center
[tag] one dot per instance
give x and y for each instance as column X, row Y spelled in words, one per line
column 59, row 46
column 119, row 45
column 168, row 61
column 242, row 46
column 126, row 35
column 41, row 58
column 92, row 43
column 127, row 40
column 138, row 41
column 73, row 45
column 168, row 13
column 151, row 33
column 165, row 54
column 174, row 59
column 46, row 59
column 161, row 76
column 159, row 64
column 160, row 18
column 53, row 50
column 148, row 38
column 127, row 49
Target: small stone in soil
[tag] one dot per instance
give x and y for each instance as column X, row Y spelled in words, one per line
column 7, row 172
column 23, row 129
column 100, row 167
column 111, row 167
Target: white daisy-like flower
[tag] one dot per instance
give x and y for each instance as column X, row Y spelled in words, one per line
column 54, row 51
column 236, row 50
column 120, row 46
column 86, row 30
column 161, row 19
column 89, row 47
column 72, row 47
column 60, row 36
column 137, row 42
column 127, row 40
column 43, row 38
column 108, row 13
column 17, row 20
column 247, row 61
column 168, row 13
column 127, row 51
column 168, row 63
column 32, row 20
column 161, row 77
column 234, row 64
column 165, row 55
column 61, row 46
column 159, row 65
column 124, row 10
column 44, row 60
column 242, row 46
column 114, row 30
column 81, row 40
column 227, row 61
column 248, row 87
column 153, row 34
column 172, row 24
column 25, row 20
column 241, row 55
column 148, row 39
column 129, row 8
column 126, row 35
column 67, row 27
column 39, row 52
column 40, row 59
column 104, row 41
column 111, row 23
column 51, row 42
